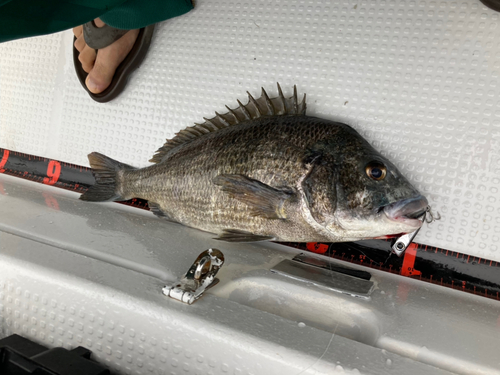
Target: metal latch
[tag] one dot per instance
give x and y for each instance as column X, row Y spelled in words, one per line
column 399, row 246
column 198, row 278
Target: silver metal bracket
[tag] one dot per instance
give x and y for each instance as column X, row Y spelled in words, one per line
column 328, row 274
column 401, row 243
column 199, row 277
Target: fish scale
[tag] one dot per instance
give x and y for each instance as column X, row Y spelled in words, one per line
column 266, row 170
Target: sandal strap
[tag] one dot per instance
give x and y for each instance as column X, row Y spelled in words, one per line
column 100, row 37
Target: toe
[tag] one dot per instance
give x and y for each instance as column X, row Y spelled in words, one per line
column 108, row 59
column 87, row 58
column 78, row 31
column 80, row 43
column 98, row 22
column 100, row 76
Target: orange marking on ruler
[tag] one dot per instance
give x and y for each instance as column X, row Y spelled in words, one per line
column 407, row 269
column 316, row 247
column 53, row 171
column 5, row 157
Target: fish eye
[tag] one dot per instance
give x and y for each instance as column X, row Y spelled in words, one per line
column 376, row 170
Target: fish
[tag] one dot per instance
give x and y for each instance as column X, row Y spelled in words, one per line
column 266, row 171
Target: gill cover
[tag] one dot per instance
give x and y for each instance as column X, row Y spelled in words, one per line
column 319, row 185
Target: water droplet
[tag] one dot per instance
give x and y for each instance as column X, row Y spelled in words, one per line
column 339, row 368
column 388, row 362
column 301, row 325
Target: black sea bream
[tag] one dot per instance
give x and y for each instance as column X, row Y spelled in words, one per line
column 266, row 171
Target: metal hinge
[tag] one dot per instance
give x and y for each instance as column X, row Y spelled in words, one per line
column 198, row 278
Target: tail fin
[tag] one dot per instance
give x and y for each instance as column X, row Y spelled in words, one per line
column 105, row 171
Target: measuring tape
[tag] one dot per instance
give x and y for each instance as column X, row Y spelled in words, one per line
column 431, row 264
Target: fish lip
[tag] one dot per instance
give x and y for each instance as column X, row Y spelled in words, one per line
column 407, row 211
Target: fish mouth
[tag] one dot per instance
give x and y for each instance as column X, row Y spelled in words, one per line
column 407, row 211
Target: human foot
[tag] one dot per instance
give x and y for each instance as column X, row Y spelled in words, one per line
column 101, row 66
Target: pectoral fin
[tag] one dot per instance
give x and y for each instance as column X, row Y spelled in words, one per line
column 264, row 200
column 234, row 235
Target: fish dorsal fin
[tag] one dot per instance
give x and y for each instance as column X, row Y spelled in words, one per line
column 255, row 108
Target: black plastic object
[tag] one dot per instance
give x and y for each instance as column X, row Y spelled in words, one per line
column 20, row 356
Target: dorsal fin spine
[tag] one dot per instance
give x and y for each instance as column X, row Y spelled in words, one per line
column 234, row 114
column 184, row 136
column 193, row 131
column 295, row 101
column 209, row 126
column 269, row 103
column 255, row 108
column 244, row 110
column 222, row 119
column 254, row 102
column 303, row 105
column 282, row 97
column 216, row 124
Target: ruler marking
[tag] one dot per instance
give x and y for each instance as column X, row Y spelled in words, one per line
column 5, row 157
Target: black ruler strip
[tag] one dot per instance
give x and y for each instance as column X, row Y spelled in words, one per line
column 52, row 172
column 427, row 263
column 438, row 266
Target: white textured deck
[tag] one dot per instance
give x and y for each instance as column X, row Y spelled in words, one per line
column 419, row 79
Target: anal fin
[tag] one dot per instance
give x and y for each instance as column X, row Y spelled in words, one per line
column 235, row 235
column 156, row 209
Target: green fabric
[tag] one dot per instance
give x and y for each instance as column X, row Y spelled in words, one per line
column 26, row 18
column 134, row 14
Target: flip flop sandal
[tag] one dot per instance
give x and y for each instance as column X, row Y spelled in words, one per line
column 100, row 37
column 493, row 4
